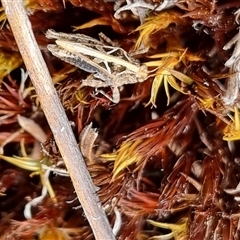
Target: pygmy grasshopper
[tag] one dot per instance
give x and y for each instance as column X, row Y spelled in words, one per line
column 109, row 66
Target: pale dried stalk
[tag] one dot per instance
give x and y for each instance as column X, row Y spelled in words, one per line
column 57, row 118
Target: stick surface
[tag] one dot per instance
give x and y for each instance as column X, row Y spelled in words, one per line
column 57, row 119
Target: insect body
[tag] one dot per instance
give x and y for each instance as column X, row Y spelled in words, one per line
column 108, row 65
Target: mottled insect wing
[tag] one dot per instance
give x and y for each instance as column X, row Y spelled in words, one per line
column 76, row 38
column 78, row 60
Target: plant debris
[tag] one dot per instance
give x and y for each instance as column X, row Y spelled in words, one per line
column 163, row 156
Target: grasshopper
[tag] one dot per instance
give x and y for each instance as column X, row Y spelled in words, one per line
column 109, row 66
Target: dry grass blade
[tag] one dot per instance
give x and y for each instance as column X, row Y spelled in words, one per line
column 167, row 75
column 179, row 229
column 232, row 130
column 105, row 20
column 156, row 23
column 9, row 62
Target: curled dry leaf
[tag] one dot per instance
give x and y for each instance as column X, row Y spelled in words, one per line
column 86, row 141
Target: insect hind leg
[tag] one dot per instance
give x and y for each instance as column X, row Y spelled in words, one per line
column 115, row 96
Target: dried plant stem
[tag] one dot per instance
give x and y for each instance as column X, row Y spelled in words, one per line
column 57, row 118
